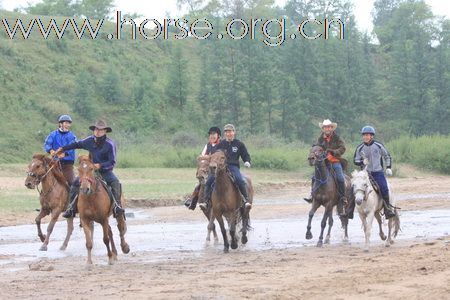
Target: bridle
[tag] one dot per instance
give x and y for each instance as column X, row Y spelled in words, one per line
column 38, row 178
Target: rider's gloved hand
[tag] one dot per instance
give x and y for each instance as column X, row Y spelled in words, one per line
column 388, row 172
column 247, row 164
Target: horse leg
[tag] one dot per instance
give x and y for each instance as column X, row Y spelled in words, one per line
column 330, row 225
column 323, row 224
column 380, row 226
column 226, row 246
column 122, row 226
column 38, row 219
column 245, row 225
column 208, row 216
column 368, row 230
column 314, row 207
column 87, row 228
column 113, row 245
column 389, row 240
column 232, row 226
column 344, row 223
column 106, row 228
column 50, row 227
column 68, row 234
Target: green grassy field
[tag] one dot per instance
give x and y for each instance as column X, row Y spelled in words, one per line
column 149, row 184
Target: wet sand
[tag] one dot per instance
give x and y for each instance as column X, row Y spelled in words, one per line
column 169, row 258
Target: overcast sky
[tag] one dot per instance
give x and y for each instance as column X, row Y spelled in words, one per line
column 161, row 8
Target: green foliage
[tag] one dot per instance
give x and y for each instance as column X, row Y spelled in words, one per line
column 428, row 152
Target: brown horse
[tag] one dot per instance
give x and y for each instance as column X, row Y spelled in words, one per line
column 53, row 196
column 325, row 193
column 227, row 202
column 94, row 205
column 202, row 176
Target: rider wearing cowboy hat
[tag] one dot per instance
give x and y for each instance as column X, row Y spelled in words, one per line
column 62, row 137
column 375, row 152
column 335, row 148
column 103, row 153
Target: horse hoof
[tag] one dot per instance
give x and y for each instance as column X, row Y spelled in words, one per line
column 319, row 244
column 225, row 250
column 43, row 248
column 42, row 237
column 327, row 241
column 383, row 237
column 234, row 245
column 63, row 247
column 309, row 235
column 244, row 239
column 125, row 248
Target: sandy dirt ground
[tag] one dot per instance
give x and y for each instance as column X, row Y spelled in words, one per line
column 417, row 268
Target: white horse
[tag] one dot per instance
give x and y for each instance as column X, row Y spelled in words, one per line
column 369, row 205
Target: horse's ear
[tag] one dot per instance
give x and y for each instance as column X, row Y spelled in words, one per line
column 39, row 156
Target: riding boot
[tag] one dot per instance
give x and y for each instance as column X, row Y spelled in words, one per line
column 388, row 211
column 243, row 190
column 342, row 199
column 206, row 197
column 191, row 203
column 116, row 189
column 309, row 199
column 194, row 198
column 73, row 197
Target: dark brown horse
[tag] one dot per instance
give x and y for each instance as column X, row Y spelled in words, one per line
column 227, row 202
column 325, row 193
column 94, row 205
column 202, row 176
column 53, row 196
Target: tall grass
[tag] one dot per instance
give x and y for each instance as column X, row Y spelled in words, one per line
column 427, row 152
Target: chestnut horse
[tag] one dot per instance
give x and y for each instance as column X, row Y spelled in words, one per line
column 202, row 176
column 53, row 196
column 94, row 205
column 226, row 201
column 325, row 193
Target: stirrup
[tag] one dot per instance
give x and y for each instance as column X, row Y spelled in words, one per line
column 203, row 206
column 69, row 213
column 309, row 200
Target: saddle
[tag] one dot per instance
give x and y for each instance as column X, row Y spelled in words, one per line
column 375, row 185
column 107, row 188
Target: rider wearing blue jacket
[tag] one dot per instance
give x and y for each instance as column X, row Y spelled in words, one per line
column 59, row 138
column 103, row 153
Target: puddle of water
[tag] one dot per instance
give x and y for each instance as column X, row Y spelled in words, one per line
column 176, row 240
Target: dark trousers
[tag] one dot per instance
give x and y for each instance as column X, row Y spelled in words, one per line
column 382, row 183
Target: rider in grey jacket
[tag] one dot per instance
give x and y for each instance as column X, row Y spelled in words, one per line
column 375, row 152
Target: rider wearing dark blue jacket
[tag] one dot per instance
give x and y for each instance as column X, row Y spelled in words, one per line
column 59, row 138
column 103, row 154
column 234, row 150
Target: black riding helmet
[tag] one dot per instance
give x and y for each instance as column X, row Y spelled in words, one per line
column 215, row 130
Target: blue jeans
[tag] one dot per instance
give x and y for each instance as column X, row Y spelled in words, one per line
column 337, row 167
column 236, row 172
column 382, row 183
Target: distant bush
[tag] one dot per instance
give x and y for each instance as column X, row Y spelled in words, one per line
column 428, row 152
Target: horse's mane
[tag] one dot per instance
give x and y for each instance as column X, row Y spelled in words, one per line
column 56, row 171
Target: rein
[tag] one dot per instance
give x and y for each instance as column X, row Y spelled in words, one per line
column 39, row 180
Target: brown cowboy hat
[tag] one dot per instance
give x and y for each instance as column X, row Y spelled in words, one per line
column 100, row 124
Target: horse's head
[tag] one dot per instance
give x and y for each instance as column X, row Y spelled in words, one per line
column 37, row 170
column 316, row 154
column 86, row 173
column 202, row 167
column 217, row 161
column 360, row 184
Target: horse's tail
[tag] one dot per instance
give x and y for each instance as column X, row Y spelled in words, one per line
column 245, row 218
column 396, row 221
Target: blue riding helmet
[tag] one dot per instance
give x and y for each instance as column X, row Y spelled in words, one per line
column 368, row 129
column 64, row 118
